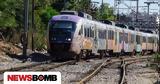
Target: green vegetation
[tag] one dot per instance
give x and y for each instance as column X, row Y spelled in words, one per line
column 11, row 16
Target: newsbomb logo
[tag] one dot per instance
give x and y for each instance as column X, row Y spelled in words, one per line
column 32, row 78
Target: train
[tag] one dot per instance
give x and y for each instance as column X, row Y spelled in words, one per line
column 79, row 37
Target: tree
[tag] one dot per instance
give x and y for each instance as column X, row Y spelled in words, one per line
column 107, row 12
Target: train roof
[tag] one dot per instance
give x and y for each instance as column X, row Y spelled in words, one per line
column 131, row 28
column 72, row 18
column 121, row 25
column 107, row 22
column 146, row 31
column 68, row 12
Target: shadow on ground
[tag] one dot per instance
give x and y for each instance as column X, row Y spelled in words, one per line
column 37, row 57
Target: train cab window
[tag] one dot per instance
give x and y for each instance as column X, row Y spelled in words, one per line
column 63, row 25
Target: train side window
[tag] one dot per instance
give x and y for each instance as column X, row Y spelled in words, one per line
column 81, row 31
column 150, row 40
column 85, row 32
column 126, row 37
column 120, row 37
column 102, row 34
column 109, row 34
column 141, row 38
column 116, row 38
column 92, row 32
column 132, row 38
column 88, row 32
column 112, row 35
column 138, row 39
column 144, row 39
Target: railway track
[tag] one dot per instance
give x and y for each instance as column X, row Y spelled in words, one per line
column 45, row 66
column 123, row 69
column 107, row 62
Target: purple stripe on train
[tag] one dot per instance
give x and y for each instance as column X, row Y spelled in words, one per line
column 72, row 18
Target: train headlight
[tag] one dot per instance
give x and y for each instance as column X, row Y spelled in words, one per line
column 54, row 39
column 69, row 39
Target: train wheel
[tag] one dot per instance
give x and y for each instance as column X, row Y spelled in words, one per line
column 81, row 55
column 88, row 56
column 117, row 54
column 102, row 54
column 122, row 53
column 133, row 53
column 143, row 53
column 78, row 58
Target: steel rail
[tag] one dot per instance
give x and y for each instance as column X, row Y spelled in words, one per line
column 124, row 66
column 105, row 63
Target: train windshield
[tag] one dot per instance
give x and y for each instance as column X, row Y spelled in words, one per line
column 63, row 25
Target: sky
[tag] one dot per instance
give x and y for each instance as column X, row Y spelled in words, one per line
column 153, row 7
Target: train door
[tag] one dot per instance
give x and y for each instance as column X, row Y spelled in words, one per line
column 155, row 44
column 106, row 38
column 95, row 46
column 116, row 40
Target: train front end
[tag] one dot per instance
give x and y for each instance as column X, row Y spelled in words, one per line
column 61, row 32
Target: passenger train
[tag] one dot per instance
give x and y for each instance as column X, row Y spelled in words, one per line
column 80, row 37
